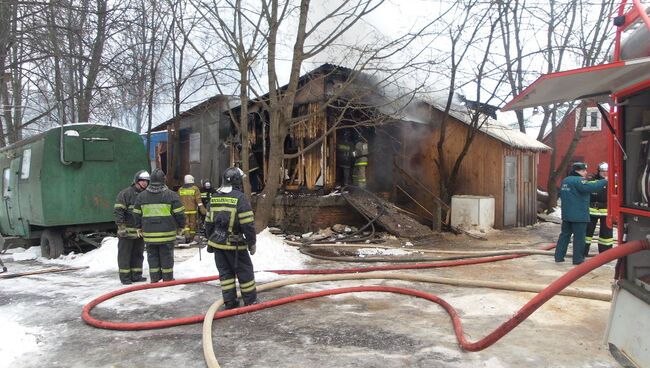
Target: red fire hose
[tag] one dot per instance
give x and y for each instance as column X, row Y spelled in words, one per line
column 131, row 326
column 536, row 302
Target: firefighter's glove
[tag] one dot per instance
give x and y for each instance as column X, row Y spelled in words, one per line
column 202, row 210
column 140, row 233
column 252, row 249
column 122, row 232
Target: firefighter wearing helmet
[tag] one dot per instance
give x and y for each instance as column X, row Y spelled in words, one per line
column 130, row 247
column 158, row 217
column 598, row 213
column 230, row 229
column 191, row 198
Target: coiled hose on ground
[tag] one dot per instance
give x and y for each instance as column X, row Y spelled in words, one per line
column 544, row 295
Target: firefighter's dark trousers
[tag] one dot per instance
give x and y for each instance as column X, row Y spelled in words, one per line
column 235, row 264
column 130, row 254
column 605, row 234
column 161, row 261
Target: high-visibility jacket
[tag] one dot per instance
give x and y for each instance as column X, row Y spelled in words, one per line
column 190, row 198
column 598, row 201
column 123, row 209
column 159, row 213
column 575, row 193
column 230, row 224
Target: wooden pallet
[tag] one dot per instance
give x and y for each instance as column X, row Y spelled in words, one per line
column 391, row 219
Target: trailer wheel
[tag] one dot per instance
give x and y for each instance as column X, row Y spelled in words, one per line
column 51, row 244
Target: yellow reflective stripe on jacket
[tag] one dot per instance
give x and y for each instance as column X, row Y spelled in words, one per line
column 598, row 211
column 361, row 163
column 190, row 212
column 159, row 240
column 227, row 246
column 186, row 192
column 245, row 214
column 232, row 211
column 246, row 217
column 224, row 200
column 179, row 209
column 156, row 210
column 119, row 205
column 159, row 237
column 138, row 211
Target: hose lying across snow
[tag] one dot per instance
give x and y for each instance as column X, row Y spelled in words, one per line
column 553, row 289
column 127, row 326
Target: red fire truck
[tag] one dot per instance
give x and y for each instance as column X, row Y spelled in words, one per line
column 624, row 83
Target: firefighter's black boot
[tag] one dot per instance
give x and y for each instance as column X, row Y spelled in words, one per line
column 232, row 304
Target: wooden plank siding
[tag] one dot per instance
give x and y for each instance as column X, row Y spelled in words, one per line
column 481, row 173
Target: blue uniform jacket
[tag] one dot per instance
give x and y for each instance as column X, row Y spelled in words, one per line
column 575, row 194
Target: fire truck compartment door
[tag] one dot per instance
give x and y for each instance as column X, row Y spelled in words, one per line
column 578, row 84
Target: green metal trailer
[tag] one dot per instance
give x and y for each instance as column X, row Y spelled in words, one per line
column 60, row 185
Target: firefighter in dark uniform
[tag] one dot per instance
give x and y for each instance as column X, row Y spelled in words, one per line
column 159, row 216
column 575, row 193
column 598, row 212
column 130, row 247
column 206, row 193
column 230, row 229
column 344, row 158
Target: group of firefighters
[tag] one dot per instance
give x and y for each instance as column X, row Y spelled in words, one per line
column 148, row 214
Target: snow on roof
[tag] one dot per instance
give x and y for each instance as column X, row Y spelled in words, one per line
column 493, row 128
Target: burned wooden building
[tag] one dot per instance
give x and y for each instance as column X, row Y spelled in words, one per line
column 332, row 104
column 336, row 105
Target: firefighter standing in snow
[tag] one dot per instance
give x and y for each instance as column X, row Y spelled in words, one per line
column 230, row 229
column 191, row 199
column 130, row 247
column 598, row 212
column 159, row 216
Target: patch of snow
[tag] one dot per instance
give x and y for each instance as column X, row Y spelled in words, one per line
column 363, row 252
column 272, row 254
column 98, row 260
column 21, row 254
column 485, row 304
column 557, row 212
column 15, row 341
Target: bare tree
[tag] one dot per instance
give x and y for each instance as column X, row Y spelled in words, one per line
column 586, row 35
column 476, row 24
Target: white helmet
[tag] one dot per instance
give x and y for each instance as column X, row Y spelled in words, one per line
column 603, row 166
column 189, row 179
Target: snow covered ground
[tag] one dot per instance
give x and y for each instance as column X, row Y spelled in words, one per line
column 41, row 325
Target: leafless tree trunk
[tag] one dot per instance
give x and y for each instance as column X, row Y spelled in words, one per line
column 474, row 19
